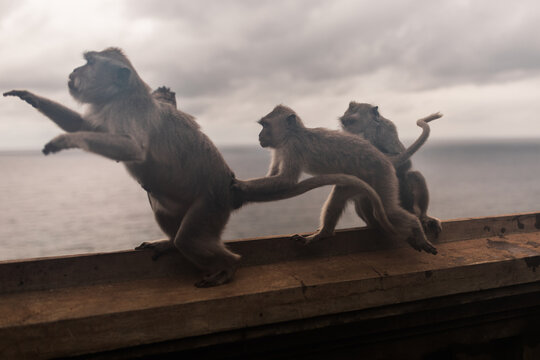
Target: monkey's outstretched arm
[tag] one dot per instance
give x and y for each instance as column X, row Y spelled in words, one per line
column 404, row 156
column 288, row 175
column 253, row 194
column 113, row 146
column 64, row 117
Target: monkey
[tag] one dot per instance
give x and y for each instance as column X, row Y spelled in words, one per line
column 188, row 183
column 164, row 94
column 318, row 151
column 365, row 120
column 160, row 146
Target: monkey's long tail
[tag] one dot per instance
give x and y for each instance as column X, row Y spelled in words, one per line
column 404, row 156
column 361, row 188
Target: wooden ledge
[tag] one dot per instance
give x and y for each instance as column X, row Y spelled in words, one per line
column 128, row 304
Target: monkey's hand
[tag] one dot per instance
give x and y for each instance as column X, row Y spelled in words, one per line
column 26, row 96
column 61, row 142
column 238, row 189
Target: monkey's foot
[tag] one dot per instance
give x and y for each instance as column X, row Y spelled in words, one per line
column 305, row 240
column 159, row 248
column 218, row 278
column 432, row 226
column 422, row 244
column 300, row 239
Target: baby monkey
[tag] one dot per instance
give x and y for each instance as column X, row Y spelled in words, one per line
column 318, row 151
column 165, row 95
column 365, row 120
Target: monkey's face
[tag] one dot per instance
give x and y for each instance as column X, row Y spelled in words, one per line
column 269, row 135
column 358, row 117
column 278, row 126
column 99, row 80
column 266, row 136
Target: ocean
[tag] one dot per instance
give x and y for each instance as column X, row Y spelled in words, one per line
column 74, row 202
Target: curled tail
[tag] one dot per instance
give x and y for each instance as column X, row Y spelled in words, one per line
column 362, row 188
column 404, row 156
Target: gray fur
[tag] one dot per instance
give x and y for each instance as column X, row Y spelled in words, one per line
column 365, row 120
column 165, row 95
column 161, row 147
column 318, row 151
column 190, row 187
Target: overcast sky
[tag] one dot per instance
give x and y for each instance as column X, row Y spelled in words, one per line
column 231, row 62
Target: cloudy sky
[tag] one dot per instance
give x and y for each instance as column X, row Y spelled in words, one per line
column 230, row 62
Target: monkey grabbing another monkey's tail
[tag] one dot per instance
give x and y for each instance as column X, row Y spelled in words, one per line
column 361, row 188
column 404, row 156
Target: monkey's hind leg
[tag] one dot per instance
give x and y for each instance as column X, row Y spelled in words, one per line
column 169, row 224
column 418, row 186
column 364, row 210
column 330, row 214
column 409, row 227
column 198, row 239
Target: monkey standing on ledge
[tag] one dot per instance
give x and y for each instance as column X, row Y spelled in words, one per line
column 296, row 148
column 189, row 185
column 365, row 120
column 161, row 147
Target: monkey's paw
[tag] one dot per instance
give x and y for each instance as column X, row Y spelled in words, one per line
column 422, row 244
column 61, row 142
column 300, row 239
column 237, row 192
column 306, row 240
column 24, row 95
column 218, row 278
column 432, row 226
column 159, row 248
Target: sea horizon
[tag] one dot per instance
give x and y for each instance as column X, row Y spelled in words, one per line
column 75, row 202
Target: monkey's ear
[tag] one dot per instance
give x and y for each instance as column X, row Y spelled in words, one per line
column 122, row 76
column 292, row 120
column 351, row 103
column 375, row 111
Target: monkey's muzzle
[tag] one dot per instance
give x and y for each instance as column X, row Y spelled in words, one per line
column 263, row 142
column 72, row 84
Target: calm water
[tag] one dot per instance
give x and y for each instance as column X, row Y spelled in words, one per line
column 75, row 202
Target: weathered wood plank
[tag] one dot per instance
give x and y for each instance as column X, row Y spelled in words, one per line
column 77, row 305
column 47, row 273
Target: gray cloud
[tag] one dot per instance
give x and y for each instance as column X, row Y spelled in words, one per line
column 437, row 43
column 230, row 61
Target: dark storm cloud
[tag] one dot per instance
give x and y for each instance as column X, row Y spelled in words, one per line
column 213, row 47
column 436, row 43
